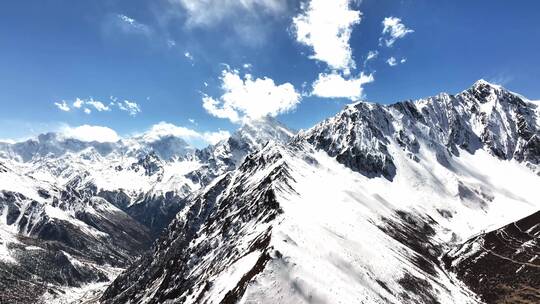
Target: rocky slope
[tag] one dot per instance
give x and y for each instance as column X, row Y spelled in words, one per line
column 53, row 237
column 501, row 265
column 358, row 209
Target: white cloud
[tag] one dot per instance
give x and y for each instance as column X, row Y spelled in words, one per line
column 250, row 98
column 78, row 103
column 212, row 12
column 129, row 106
column 215, row 137
column 247, row 66
column 90, row 133
column 63, row 106
column 372, row 55
column 248, row 22
column 326, row 27
column 188, row 56
column 392, row 61
column 163, row 129
column 87, row 104
column 98, row 105
column 393, row 30
column 7, row 141
column 130, row 25
column 335, row 86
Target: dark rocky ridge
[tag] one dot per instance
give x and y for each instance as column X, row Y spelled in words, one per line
column 220, row 211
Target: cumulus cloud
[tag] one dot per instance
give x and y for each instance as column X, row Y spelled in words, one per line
column 63, row 106
column 163, row 129
column 250, row 98
column 372, row 55
column 393, row 30
column 90, row 133
column 335, row 86
column 7, row 141
column 392, row 61
column 129, row 106
column 215, row 137
column 98, row 105
column 326, row 27
column 78, row 103
column 188, row 56
column 87, row 105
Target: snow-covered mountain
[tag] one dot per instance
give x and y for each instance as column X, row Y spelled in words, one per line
column 94, row 207
column 362, row 208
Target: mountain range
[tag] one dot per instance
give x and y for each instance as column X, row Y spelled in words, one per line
column 413, row 202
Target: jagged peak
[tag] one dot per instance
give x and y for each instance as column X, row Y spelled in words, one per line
column 484, row 85
column 483, row 82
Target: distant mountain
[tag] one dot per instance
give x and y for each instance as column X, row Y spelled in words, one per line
column 361, row 208
column 54, row 145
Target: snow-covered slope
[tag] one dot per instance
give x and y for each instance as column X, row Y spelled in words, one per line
column 358, row 209
column 51, row 237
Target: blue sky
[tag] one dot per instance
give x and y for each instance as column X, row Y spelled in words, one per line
column 164, row 57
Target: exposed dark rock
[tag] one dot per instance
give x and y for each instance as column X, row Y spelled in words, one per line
column 502, row 266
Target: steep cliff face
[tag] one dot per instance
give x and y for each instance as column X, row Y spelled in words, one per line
column 360, row 208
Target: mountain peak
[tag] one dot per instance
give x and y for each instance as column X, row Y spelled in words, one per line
column 486, row 86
